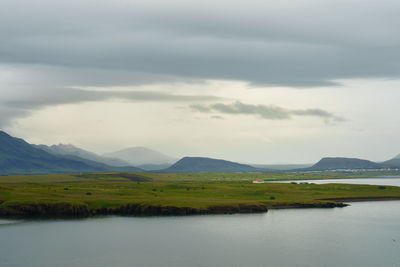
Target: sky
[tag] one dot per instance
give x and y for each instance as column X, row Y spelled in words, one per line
column 251, row 81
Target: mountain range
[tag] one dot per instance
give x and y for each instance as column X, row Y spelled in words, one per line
column 20, row 157
column 72, row 150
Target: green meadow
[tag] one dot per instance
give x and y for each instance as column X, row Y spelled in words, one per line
column 199, row 191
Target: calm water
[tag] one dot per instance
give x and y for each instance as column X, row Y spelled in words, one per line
column 387, row 180
column 364, row 234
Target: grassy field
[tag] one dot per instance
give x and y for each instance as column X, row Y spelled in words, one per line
column 199, row 191
column 181, row 177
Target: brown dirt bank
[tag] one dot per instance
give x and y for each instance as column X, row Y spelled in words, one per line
column 70, row 210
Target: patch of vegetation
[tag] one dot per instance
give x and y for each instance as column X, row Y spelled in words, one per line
column 183, row 177
column 134, row 177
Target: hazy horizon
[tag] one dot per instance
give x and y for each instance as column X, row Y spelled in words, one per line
column 260, row 82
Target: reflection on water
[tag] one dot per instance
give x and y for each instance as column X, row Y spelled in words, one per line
column 6, row 222
column 365, row 234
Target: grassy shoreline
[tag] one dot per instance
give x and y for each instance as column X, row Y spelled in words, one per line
column 86, row 195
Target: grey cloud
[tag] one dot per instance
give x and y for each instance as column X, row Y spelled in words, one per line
column 302, row 44
column 269, row 112
column 201, row 108
column 69, row 96
column 9, row 113
column 17, row 107
column 217, row 117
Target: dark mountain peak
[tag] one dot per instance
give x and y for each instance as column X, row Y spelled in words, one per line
column 394, row 162
column 203, row 164
column 337, row 163
column 199, row 160
column 206, row 160
column 330, row 159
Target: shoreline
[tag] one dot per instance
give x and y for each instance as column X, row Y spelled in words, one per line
column 68, row 211
column 61, row 210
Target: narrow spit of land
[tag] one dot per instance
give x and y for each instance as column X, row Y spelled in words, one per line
column 82, row 195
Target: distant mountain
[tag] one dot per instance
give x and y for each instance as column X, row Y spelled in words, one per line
column 69, row 149
column 199, row 164
column 395, row 162
column 19, row 157
column 141, row 155
column 345, row 163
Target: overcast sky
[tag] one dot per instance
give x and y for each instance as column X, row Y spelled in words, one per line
column 250, row 81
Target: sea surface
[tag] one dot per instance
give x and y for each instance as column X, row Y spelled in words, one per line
column 363, row 234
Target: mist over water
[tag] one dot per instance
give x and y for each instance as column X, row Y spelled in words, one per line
column 364, row 234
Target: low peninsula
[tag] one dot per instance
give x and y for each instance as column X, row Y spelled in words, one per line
column 138, row 194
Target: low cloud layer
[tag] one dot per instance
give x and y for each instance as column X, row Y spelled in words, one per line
column 19, row 106
column 269, row 112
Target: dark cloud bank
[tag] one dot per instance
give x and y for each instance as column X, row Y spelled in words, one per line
column 304, row 43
